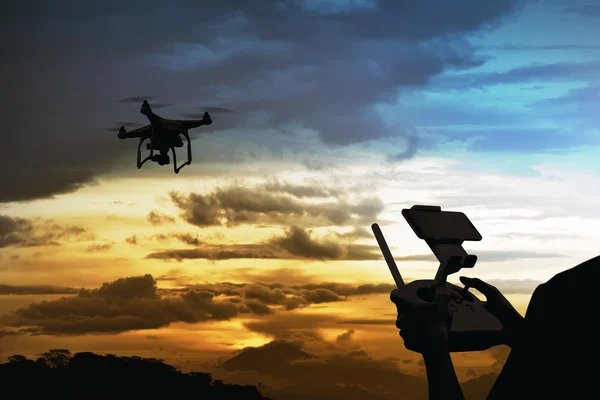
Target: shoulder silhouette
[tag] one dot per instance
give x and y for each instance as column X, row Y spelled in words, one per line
column 557, row 354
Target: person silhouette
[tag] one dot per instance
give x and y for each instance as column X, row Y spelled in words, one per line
column 555, row 348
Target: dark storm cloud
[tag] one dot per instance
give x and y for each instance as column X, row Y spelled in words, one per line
column 136, row 303
column 296, row 243
column 20, row 232
column 68, row 62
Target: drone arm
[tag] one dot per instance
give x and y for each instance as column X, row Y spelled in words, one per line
column 137, row 133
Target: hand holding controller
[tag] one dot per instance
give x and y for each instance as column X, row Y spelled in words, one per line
column 472, row 326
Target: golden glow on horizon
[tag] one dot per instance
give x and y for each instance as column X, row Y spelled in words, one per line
column 115, row 210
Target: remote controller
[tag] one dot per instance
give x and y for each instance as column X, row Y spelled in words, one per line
column 473, row 327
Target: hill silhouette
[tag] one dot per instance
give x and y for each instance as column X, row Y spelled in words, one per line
column 295, row 374
column 92, row 376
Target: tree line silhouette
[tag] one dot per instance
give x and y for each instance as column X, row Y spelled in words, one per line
column 93, row 376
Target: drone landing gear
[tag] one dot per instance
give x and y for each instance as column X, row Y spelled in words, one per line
column 141, row 162
column 189, row 152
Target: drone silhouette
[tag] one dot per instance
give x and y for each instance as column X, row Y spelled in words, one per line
column 164, row 134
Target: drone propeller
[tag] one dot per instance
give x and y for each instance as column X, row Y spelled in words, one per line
column 210, row 110
column 140, row 99
column 111, row 129
column 127, row 124
column 216, row 110
column 121, row 124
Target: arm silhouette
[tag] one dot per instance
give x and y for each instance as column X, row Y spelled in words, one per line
column 442, row 381
column 424, row 327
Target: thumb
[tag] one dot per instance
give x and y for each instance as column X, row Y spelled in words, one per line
column 485, row 288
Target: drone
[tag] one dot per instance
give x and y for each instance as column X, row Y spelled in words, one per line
column 163, row 134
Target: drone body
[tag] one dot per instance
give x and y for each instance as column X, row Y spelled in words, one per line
column 164, row 135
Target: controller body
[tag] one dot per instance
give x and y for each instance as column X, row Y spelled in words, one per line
column 473, row 327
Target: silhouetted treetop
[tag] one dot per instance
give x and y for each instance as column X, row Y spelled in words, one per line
column 93, row 376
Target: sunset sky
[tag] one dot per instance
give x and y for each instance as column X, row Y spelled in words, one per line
column 346, row 112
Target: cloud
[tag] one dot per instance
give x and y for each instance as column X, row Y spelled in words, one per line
column 288, row 295
column 547, row 47
column 315, row 67
column 578, row 106
column 20, row 232
column 500, row 355
column 135, row 303
column 4, row 333
column 236, row 205
column 585, row 71
column 35, row 289
column 345, row 337
column 515, row 286
column 131, row 239
column 522, row 139
column 512, row 255
column 313, row 190
column 368, row 321
column 99, row 247
column 296, row 243
column 119, row 306
column 155, row 218
column 275, row 204
column 584, row 10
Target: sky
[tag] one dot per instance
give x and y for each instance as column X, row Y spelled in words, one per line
column 345, row 113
